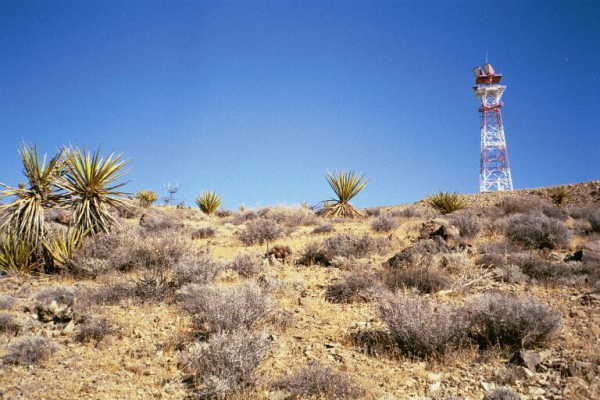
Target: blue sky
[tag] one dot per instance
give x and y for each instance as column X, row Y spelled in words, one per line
column 257, row 100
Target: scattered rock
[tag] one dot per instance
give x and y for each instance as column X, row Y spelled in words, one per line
column 529, row 359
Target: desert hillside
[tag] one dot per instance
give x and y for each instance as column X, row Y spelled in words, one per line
column 493, row 296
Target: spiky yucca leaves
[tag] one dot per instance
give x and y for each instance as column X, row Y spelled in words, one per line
column 208, row 202
column 25, row 215
column 91, row 183
column 446, row 202
column 346, row 185
column 17, row 256
column 61, row 245
column 146, row 197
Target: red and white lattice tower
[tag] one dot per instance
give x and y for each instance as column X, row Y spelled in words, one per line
column 494, row 170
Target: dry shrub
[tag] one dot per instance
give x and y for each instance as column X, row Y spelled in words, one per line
column 594, row 220
column 94, row 330
column 503, row 393
column 126, row 249
column 416, row 253
column 468, row 225
column 384, row 223
column 226, row 364
column 421, row 328
column 290, row 217
column 424, row 279
column 411, row 212
column 506, row 320
column 223, row 213
column 6, row 302
column 536, row 230
column 203, row 233
column 491, row 260
column 154, row 285
column 244, row 217
column 107, row 295
column 374, row 342
column 259, row 231
column 225, row 309
column 317, row 381
column 200, row 270
column 342, row 245
column 519, row 205
column 326, row 228
column 373, row 212
column 29, row 350
column 246, row 265
column 355, row 287
column 8, row 324
column 540, row 269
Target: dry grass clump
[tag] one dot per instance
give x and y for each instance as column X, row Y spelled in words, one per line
column 200, row 270
column 506, row 320
column 226, row 364
column 9, row 324
column 29, row 350
column 259, row 231
column 225, row 309
column 223, row 213
column 525, row 205
column 246, row 265
column 423, row 279
column 6, row 302
column 94, row 330
column 203, row 233
column 319, row 382
column 384, row 223
column 326, row 228
column 468, row 225
column 423, row 329
column 503, row 393
column 355, row 287
column 537, row 231
column 342, row 245
column 153, row 285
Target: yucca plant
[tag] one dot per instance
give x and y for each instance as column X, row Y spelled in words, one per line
column 346, row 185
column 16, row 255
column 146, row 197
column 91, row 185
column 25, row 214
column 208, row 202
column 61, row 245
column 446, row 202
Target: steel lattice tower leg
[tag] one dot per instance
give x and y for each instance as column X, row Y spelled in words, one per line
column 495, row 174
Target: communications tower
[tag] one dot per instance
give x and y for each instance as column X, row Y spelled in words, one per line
column 494, row 169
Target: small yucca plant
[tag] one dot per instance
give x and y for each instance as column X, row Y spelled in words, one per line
column 25, row 214
column 146, row 197
column 91, row 184
column 16, row 255
column 208, row 202
column 62, row 245
column 446, row 202
column 346, row 185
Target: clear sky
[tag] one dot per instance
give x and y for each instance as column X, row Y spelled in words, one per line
column 257, row 100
